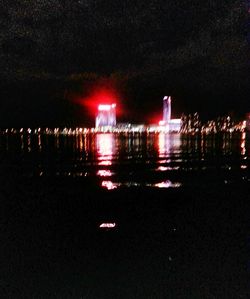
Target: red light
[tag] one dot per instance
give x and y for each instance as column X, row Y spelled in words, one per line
column 101, row 98
column 95, row 92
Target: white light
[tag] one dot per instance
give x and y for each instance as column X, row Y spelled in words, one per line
column 104, row 107
column 104, row 173
column 107, row 225
column 109, row 185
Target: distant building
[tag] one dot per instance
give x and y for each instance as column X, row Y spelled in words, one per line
column 106, row 116
column 106, row 121
column 167, row 124
column 128, row 127
column 175, row 125
column 166, row 109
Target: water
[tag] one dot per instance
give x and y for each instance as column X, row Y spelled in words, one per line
column 124, row 216
column 130, row 160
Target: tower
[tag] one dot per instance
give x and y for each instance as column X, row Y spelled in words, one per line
column 106, row 116
column 167, row 109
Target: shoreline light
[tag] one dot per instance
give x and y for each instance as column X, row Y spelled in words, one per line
column 107, row 225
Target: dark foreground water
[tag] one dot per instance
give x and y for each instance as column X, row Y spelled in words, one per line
column 180, row 205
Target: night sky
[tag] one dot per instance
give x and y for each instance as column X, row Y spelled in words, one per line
column 53, row 54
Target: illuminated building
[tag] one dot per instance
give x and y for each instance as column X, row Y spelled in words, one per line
column 106, row 116
column 168, row 124
column 166, row 109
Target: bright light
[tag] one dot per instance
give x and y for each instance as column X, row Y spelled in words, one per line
column 161, row 123
column 163, row 144
column 105, row 163
column 167, row 184
column 167, row 98
column 107, row 225
column 109, row 185
column 105, row 147
column 104, row 173
column 103, row 107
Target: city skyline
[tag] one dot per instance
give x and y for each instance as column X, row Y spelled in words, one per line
column 56, row 52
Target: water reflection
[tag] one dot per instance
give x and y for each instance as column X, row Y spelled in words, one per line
column 243, row 144
column 39, row 142
column 163, row 144
column 104, row 172
column 165, row 184
column 115, row 160
column 110, row 185
column 105, row 148
column 168, row 144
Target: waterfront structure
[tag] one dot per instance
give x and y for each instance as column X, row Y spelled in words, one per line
column 106, row 120
column 106, row 116
column 167, row 124
column 175, row 125
column 166, row 109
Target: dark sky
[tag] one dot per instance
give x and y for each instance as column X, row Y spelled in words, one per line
column 52, row 50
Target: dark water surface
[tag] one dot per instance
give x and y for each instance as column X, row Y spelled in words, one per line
column 180, row 205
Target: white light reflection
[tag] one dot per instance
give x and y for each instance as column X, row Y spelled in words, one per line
column 110, row 185
column 168, row 143
column 29, row 143
column 104, row 173
column 164, row 168
column 105, row 148
column 167, row 184
column 39, row 142
column 163, row 144
column 105, row 163
column 243, row 144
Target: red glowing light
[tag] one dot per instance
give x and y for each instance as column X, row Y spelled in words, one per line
column 100, row 96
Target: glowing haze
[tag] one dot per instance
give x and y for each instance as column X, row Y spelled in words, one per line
column 100, row 95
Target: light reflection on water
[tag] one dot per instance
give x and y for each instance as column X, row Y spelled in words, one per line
column 168, row 144
column 105, row 147
column 131, row 160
